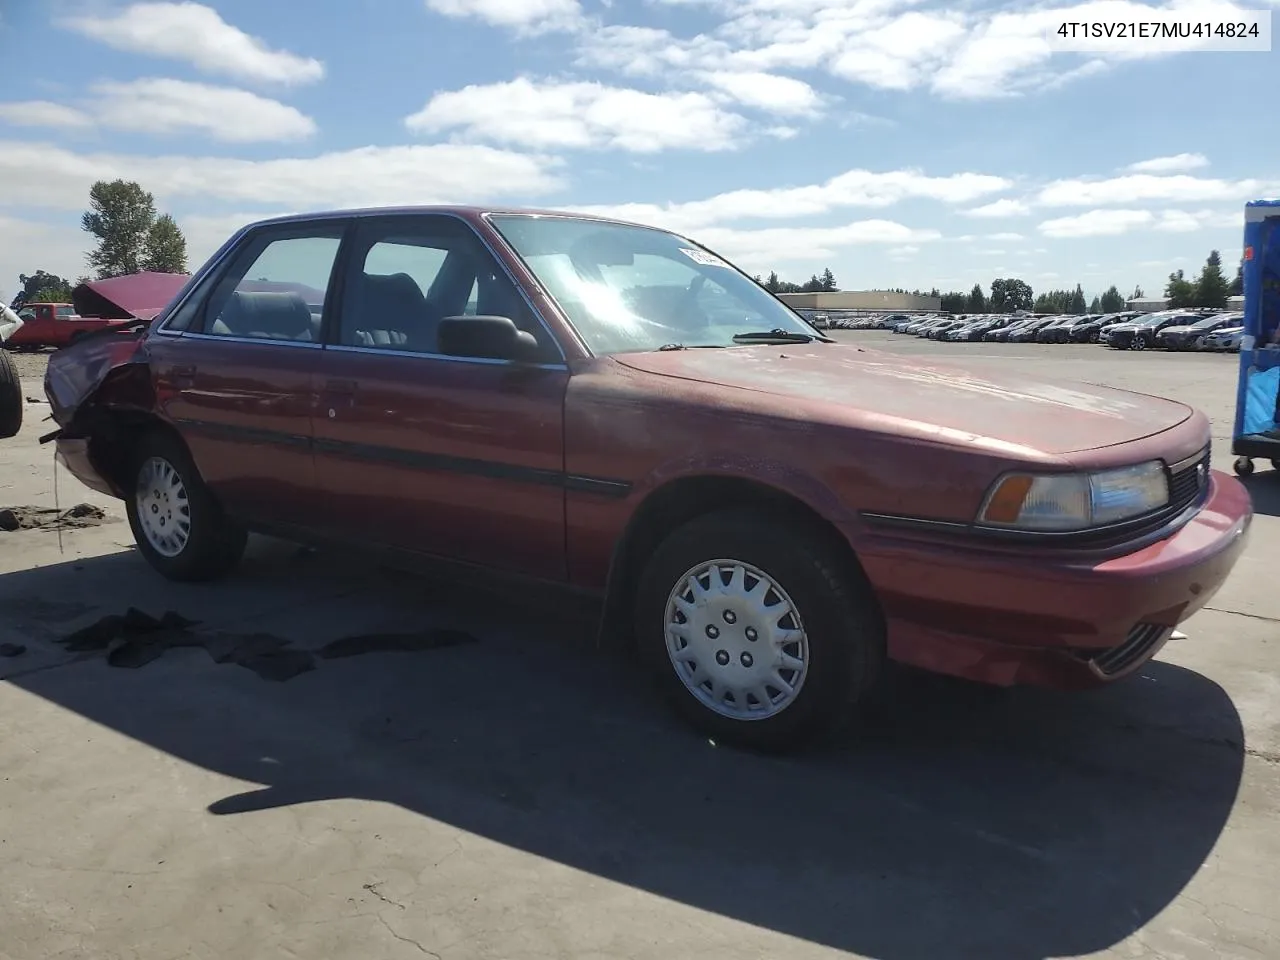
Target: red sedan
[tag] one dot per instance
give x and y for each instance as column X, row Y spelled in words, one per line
column 766, row 515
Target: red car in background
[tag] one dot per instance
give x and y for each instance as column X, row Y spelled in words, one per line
column 53, row 325
column 766, row 515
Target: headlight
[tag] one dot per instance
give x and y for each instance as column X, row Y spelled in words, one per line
column 1075, row 501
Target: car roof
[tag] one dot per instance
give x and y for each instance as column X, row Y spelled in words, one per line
column 456, row 210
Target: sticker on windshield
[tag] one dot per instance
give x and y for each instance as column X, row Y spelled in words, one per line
column 702, row 257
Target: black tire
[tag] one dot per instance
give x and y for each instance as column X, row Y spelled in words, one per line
column 1138, row 343
column 11, row 400
column 214, row 544
column 839, row 614
column 1243, row 466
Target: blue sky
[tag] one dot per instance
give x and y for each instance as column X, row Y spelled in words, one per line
column 900, row 142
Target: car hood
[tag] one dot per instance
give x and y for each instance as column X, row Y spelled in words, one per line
column 888, row 393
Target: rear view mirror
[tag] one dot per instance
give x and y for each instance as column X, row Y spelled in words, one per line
column 489, row 338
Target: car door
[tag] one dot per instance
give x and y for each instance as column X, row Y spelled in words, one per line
column 459, row 457
column 233, row 371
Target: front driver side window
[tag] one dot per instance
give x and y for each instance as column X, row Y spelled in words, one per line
column 409, row 273
column 276, row 289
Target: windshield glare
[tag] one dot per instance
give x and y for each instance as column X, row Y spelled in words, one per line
column 628, row 288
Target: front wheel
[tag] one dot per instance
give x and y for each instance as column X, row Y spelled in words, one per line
column 1138, row 344
column 757, row 633
column 1243, row 466
column 178, row 525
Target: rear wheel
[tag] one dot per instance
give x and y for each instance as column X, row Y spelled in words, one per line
column 178, row 525
column 11, row 403
column 1243, row 466
column 757, row 633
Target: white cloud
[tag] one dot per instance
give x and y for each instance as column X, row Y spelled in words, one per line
column 964, row 53
column 157, row 105
column 1188, row 221
column 762, row 248
column 580, row 115
column 999, row 208
column 42, row 174
column 854, row 188
column 765, row 91
column 28, row 245
column 42, row 113
column 1174, row 164
column 196, row 34
column 1147, row 188
column 1005, row 237
column 518, row 14
column 1097, row 223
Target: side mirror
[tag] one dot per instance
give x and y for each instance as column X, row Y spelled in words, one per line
column 490, row 338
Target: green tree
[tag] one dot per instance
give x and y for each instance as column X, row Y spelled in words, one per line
column 772, row 284
column 977, row 301
column 42, row 287
column 1237, row 285
column 1112, row 301
column 165, row 250
column 1054, row 301
column 829, row 280
column 1095, row 305
column 1211, row 285
column 120, row 216
column 1137, row 294
column 1179, row 290
column 1010, row 295
column 953, row 302
column 1077, row 303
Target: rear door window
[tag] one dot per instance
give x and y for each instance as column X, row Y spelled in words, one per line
column 277, row 287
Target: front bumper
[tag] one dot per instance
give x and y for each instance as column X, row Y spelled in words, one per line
column 1010, row 616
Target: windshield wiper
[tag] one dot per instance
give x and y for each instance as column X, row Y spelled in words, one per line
column 778, row 335
column 688, row 346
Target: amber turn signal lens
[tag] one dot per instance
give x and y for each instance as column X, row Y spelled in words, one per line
column 1005, row 503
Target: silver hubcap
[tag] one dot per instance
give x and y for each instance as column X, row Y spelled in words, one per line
column 736, row 641
column 164, row 513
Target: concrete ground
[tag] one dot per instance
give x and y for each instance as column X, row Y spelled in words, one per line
column 521, row 796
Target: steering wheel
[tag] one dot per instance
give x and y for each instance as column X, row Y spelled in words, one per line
column 690, row 296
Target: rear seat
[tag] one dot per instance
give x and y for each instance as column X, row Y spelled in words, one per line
column 266, row 316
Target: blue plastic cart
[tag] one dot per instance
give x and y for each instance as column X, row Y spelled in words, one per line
column 1256, row 434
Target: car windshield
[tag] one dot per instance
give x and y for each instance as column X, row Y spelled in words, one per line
column 1214, row 321
column 629, row 288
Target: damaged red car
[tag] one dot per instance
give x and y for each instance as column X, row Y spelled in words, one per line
column 767, row 515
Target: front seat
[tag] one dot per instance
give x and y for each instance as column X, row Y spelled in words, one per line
column 385, row 310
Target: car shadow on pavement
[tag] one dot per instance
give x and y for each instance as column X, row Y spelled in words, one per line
column 960, row 822
column 1264, row 490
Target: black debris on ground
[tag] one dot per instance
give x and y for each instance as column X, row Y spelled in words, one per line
column 394, row 643
column 81, row 516
column 134, row 639
column 12, row 649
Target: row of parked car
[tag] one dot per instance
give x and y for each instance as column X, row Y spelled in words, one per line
column 1185, row 329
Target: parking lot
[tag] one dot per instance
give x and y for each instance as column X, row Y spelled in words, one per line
column 504, row 790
